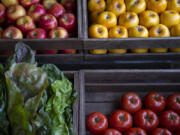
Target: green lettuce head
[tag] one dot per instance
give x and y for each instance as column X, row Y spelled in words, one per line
column 25, row 84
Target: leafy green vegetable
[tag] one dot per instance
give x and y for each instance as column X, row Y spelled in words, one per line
column 25, row 84
column 39, row 100
column 23, row 53
column 4, row 123
column 57, row 104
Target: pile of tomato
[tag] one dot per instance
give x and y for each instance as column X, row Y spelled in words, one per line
column 157, row 116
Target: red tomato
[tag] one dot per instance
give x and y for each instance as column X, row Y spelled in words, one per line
column 97, row 123
column 121, row 120
column 161, row 131
column 135, row 131
column 173, row 103
column 146, row 119
column 112, row 132
column 131, row 102
column 170, row 120
column 155, row 102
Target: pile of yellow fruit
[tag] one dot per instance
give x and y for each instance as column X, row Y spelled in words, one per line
column 134, row 18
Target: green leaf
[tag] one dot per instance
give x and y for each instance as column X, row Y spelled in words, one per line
column 25, row 84
column 23, row 53
column 54, row 74
column 57, row 104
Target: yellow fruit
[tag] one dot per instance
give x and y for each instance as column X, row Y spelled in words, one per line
column 173, row 5
column 96, row 5
column 98, row 31
column 108, row 19
column 138, row 31
column 175, row 30
column 170, row 18
column 94, row 15
column 118, row 51
column 98, row 51
column 118, row 32
column 136, row 6
column 148, row 18
column 159, row 30
column 157, row 5
column 128, row 19
column 174, row 49
column 158, row 50
column 117, row 7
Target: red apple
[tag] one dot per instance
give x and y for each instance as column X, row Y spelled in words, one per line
column 12, row 33
column 25, row 24
column 68, row 21
column 28, row 3
column 2, row 13
column 9, row 3
column 48, row 3
column 48, row 51
column 69, row 4
column 58, row 32
column 15, row 12
column 56, row 10
column 37, row 33
column 68, row 51
column 36, row 11
column 47, row 22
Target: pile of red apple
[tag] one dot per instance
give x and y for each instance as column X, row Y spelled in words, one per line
column 37, row 19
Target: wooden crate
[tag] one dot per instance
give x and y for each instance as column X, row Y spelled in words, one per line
column 46, row 44
column 74, row 78
column 101, row 90
column 90, row 43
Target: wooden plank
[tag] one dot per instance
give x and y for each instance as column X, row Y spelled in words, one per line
column 133, row 56
column 144, row 76
column 43, row 44
column 129, row 43
column 73, row 76
column 82, row 105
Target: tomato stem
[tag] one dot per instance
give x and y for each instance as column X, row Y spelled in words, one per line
column 178, row 99
column 122, row 118
column 132, row 100
column 97, row 120
column 156, row 97
column 148, row 118
column 172, row 116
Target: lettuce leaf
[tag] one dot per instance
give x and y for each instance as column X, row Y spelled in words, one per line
column 57, row 104
column 23, row 53
column 25, row 85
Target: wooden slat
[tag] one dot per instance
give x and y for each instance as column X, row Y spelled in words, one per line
column 133, row 56
column 129, row 43
column 74, row 77
column 43, row 44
